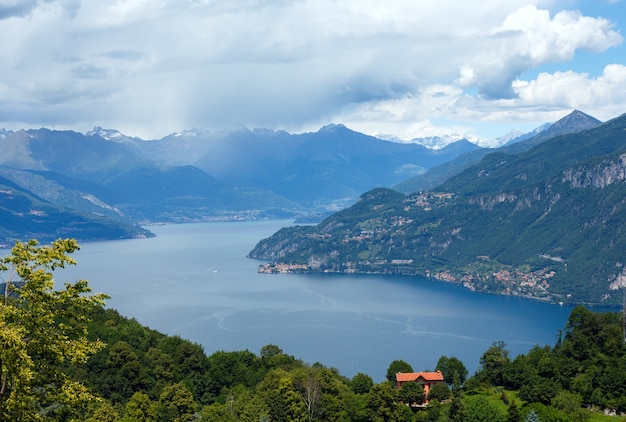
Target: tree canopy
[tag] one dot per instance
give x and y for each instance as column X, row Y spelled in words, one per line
column 395, row 367
column 41, row 330
column 452, row 369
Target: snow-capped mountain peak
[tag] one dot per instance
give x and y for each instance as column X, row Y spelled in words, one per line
column 108, row 134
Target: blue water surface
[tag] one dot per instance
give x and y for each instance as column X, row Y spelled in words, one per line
column 194, row 280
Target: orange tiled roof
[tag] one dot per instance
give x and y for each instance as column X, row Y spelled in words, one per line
column 415, row 376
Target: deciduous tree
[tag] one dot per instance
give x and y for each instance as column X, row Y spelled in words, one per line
column 361, row 383
column 176, row 404
column 41, row 329
column 381, row 403
column 412, row 392
column 395, row 367
column 494, row 363
column 439, row 392
column 479, row 409
column 140, row 408
column 451, row 366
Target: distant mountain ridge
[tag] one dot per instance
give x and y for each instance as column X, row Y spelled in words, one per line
column 332, row 166
column 195, row 175
column 545, row 219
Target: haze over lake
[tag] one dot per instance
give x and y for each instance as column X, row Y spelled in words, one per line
column 194, row 280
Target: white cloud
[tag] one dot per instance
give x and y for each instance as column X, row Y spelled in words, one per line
column 165, row 65
column 604, row 94
column 527, row 39
column 547, row 98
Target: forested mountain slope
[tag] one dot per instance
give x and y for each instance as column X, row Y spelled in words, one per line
column 22, row 212
column 548, row 222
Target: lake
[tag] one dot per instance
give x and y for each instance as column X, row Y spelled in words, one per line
column 194, row 280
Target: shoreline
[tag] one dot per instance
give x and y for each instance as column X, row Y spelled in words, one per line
column 442, row 276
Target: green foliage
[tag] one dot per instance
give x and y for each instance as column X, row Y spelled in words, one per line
column 513, row 413
column 41, row 330
column 412, row 392
column 532, row 417
column 281, row 397
column 382, row 403
column 104, row 413
column 51, row 221
column 270, row 350
column 439, row 392
column 545, row 413
column 140, row 408
column 356, row 407
column 493, row 363
column 176, row 403
column 395, row 367
column 479, row 409
column 361, row 383
column 457, row 407
column 539, row 390
column 452, row 369
column 570, row 404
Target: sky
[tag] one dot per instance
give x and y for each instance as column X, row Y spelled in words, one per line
column 402, row 68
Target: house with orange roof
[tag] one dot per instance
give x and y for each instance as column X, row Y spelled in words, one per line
column 427, row 379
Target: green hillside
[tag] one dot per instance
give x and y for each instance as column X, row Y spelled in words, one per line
column 23, row 214
column 547, row 223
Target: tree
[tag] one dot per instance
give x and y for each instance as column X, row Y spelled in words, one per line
column 512, row 413
column 439, row 392
column 493, row 363
column 140, row 408
column 307, row 383
column 270, row 350
column 451, row 366
column 356, row 407
column 412, row 392
column 218, row 412
column 41, row 329
column 283, row 402
column 381, row 403
column 104, row 413
column 395, row 367
column 479, row 409
column 254, row 409
column 162, row 368
column 176, row 404
column 532, row 417
column 457, row 408
column 296, row 407
column 361, row 383
column 570, row 404
column 123, row 372
column 539, row 390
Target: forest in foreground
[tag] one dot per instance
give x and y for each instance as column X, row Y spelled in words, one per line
column 64, row 356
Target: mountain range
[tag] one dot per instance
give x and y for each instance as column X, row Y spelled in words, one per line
column 573, row 122
column 105, row 185
column 544, row 217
